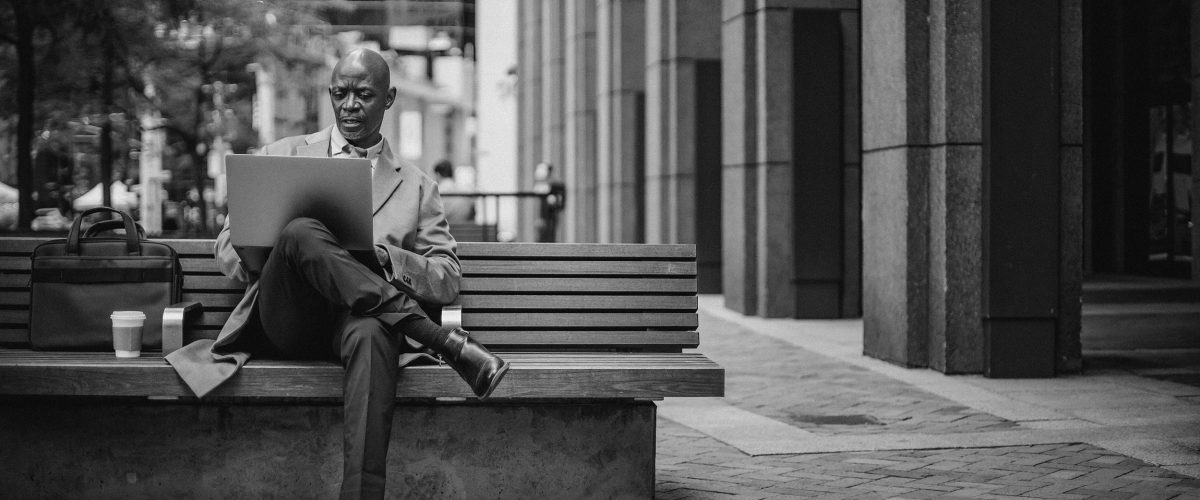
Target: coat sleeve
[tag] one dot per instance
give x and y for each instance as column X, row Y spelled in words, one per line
column 227, row 258
column 430, row 272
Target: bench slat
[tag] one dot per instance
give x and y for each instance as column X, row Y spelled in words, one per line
column 579, row 302
column 211, row 282
column 209, row 299
column 13, row 335
column 576, row 251
column 577, row 285
column 14, row 316
column 205, row 264
column 14, row 280
column 534, row 375
column 25, row 245
column 666, row 320
column 563, row 268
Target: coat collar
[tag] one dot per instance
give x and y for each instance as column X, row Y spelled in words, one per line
column 315, row 144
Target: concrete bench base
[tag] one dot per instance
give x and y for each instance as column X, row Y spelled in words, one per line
column 73, row 448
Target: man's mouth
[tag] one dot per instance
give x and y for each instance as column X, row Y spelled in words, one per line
column 353, row 122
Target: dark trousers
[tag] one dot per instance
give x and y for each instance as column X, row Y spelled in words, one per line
column 317, row 302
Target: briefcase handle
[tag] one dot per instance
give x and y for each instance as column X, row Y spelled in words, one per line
column 109, row 225
column 131, row 235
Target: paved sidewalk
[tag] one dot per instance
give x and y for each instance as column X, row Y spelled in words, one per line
column 806, row 415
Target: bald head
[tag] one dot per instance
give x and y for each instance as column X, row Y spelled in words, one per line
column 360, row 91
column 363, row 60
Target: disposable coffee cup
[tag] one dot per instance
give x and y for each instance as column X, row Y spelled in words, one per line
column 127, row 333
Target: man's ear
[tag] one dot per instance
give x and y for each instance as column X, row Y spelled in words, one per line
column 391, row 97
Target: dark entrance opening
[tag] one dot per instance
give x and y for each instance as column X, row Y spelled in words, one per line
column 1138, row 138
column 1141, row 286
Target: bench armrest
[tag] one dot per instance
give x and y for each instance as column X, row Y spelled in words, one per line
column 175, row 318
column 452, row 316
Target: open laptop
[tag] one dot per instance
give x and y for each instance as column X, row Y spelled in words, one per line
column 267, row 192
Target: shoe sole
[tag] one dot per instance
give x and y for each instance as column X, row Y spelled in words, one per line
column 495, row 381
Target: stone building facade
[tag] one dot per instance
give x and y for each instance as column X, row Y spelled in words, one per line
column 936, row 167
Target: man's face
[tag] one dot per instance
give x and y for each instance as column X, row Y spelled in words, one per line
column 359, row 100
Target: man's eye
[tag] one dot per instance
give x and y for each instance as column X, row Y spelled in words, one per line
column 365, row 95
column 339, row 94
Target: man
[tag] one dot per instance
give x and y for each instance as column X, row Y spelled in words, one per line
column 313, row 300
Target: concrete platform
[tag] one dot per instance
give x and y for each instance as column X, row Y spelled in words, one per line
column 120, row 450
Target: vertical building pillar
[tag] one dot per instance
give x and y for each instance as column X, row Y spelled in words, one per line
column 972, row 203
column 955, row 262
column 895, row 72
column 1068, row 347
column 529, row 108
column 580, row 121
column 553, row 113
column 791, row 158
column 775, row 184
column 683, row 46
column 1022, row 198
column 678, row 34
column 620, row 99
column 739, row 172
column 851, row 20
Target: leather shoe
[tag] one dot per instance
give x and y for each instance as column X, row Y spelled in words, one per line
column 477, row 366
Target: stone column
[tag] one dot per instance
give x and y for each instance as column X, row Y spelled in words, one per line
column 529, row 107
column 678, row 34
column 553, row 113
column 895, row 62
column 739, row 172
column 580, row 122
column 955, row 263
column 972, row 206
column 1023, row 189
column 791, row 158
column 620, row 97
column 1068, row 347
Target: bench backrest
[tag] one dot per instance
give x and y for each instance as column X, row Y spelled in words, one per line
column 470, row 231
column 515, row 296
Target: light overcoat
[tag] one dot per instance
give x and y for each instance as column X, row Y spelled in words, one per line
column 408, row 221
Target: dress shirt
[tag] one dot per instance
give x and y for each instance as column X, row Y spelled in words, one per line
column 341, row 148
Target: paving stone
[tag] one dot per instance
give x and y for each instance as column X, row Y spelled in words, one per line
column 823, row 396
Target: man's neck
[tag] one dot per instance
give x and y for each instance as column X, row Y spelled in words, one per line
column 366, row 143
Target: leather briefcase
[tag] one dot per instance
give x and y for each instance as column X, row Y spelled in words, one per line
column 76, row 283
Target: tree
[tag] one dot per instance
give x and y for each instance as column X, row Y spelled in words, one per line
column 199, row 66
column 24, row 19
column 185, row 59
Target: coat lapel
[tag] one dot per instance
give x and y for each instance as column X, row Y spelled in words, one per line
column 385, row 181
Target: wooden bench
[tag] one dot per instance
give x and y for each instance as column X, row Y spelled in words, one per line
column 595, row 334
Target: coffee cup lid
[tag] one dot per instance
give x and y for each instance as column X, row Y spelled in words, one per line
column 128, row 315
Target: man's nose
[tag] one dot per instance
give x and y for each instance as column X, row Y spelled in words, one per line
column 351, row 102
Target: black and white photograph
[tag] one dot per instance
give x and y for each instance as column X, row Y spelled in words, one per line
column 599, row 249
